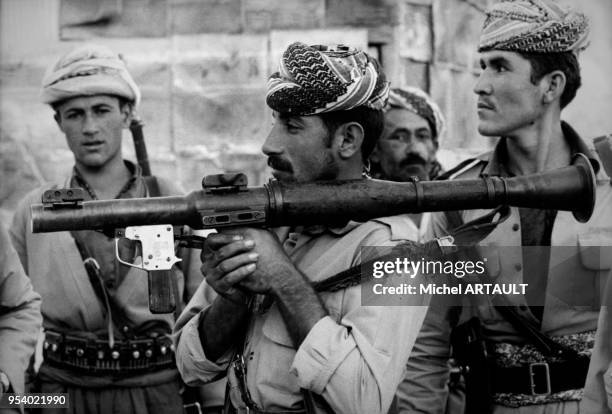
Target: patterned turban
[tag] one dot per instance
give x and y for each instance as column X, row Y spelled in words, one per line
column 89, row 70
column 533, row 26
column 417, row 101
column 316, row 79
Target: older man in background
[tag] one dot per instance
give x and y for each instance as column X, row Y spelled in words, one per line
column 407, row 147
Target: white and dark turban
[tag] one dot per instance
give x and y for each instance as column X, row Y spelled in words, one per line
column 317, row 79
column 533, row 26
column 417, row 101
column 89, row 70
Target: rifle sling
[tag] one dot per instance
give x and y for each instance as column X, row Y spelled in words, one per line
column 508, row 311
column 92, row 269
column 464, row 235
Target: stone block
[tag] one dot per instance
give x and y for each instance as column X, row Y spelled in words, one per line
column 204, row 61
column 27, row 27
column 154, row 111
column 217, row 118
column 453, row 91
column 363, row 13
column 415, row 32
column 84, row 19
column 456, row 39
column 205, row 16
column 415, row 74
column 18, row 172
column 263, row 15
column 29, row 121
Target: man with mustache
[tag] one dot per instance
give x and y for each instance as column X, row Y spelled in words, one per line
column 407, row 147
column 284, row 346
column 530, row 73
column 102, row 345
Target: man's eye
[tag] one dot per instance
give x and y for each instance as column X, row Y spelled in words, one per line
column 292, row 127
column 400, row 136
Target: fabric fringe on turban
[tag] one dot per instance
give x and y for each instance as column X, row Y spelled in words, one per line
column 317, row 79
column 533, row 26
column 417, row 101
column 89, row 70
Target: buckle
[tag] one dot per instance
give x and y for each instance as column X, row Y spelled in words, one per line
column 446, row 244
column 536, row 370
column 192, row 408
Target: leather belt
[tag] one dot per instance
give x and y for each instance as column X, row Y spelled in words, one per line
column 541, row 378
column 96, row 356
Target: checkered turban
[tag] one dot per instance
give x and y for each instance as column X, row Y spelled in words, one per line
column 317, row 79
column 89, row 70
column 417, row 101
column 533, row 26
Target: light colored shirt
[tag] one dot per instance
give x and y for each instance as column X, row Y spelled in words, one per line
column 354, row 357
column 598, row 389
column 575, row 281
column 20, row 317
column 55, row 267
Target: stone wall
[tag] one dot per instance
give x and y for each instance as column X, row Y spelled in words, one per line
column 202, row 67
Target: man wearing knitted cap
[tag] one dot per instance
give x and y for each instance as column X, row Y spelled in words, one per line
column 102, row 345
column 407, row 147
column 284, row 346
column 530, row 72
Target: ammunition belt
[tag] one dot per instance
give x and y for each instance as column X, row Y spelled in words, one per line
column 97, row 357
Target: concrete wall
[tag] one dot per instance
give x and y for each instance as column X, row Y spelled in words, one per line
column 202, row 67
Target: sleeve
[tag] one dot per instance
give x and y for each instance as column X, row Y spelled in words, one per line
column 19, row 229
column 357, row 363
column 20, row 317
column 598, row 389
column 437, row 226
column 191, row 360
column 424, row 389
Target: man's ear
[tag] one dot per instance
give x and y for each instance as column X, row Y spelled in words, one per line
column 554, row 86
column 58, row 120
column 127, row 112
column 349, row 137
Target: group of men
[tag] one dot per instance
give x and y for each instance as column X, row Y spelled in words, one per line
column 258, row 316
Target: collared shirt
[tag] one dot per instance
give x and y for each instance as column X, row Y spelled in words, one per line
column 70, row 304
column 354, row 357
column 20, row 318
column 575, row 279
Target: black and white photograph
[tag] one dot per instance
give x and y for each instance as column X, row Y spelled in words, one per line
column 305, row 206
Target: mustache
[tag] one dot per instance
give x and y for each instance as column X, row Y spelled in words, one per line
column 412, row 159
column 277, row 163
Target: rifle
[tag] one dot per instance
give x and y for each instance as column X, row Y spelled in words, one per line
column 226, row 201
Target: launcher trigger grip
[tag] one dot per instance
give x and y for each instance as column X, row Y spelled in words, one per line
column 157, row 242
